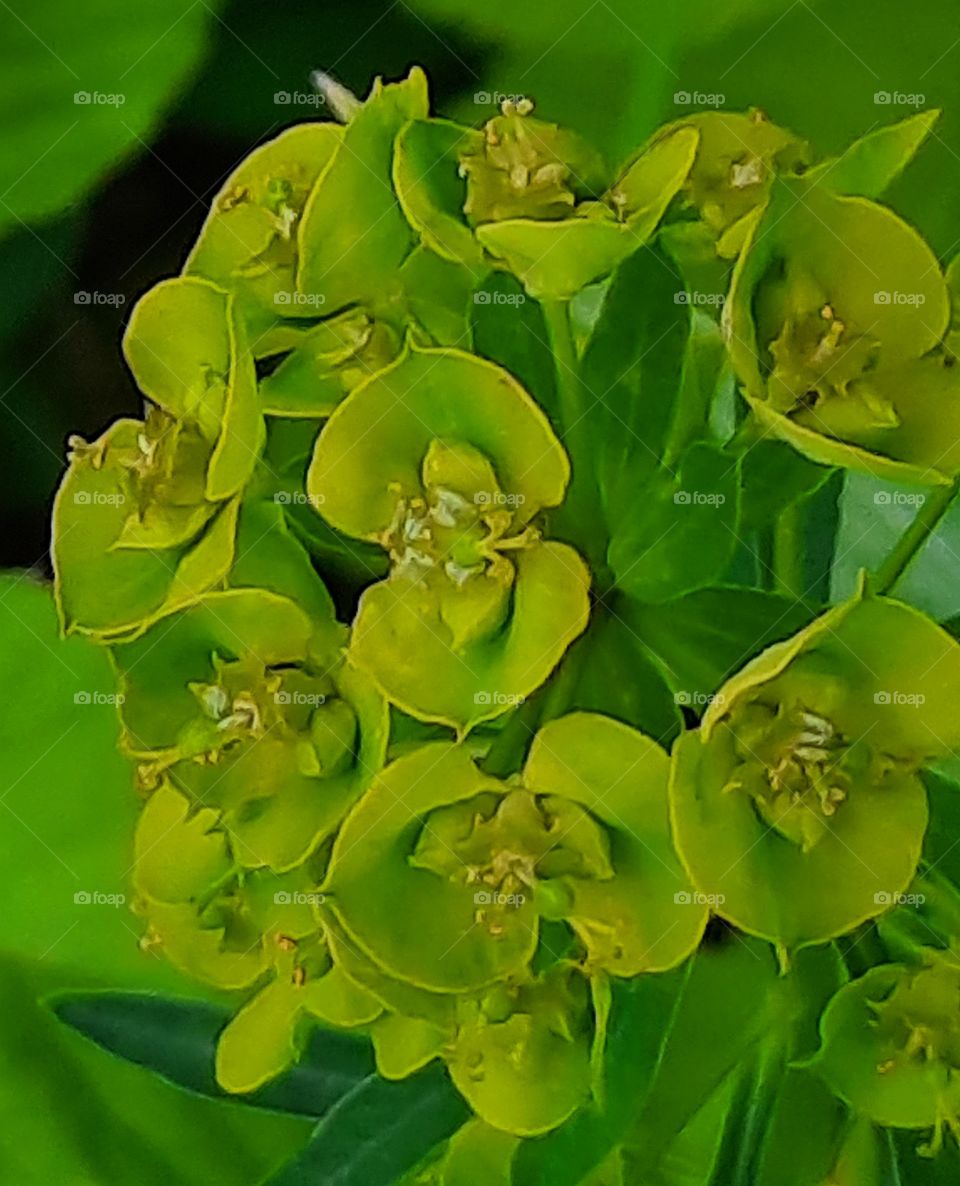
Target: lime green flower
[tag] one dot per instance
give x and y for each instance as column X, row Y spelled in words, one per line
column 249, row 242
column 891, row 1045
column 737, row 156
column 446, row 462
column 521, row 1055
column 582, row 835
column 797, row 806
column 231, row 702
column 532, row 198
column 835, row 317
column 135, row 534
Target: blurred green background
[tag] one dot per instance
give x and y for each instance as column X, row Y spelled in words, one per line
column 118, row 123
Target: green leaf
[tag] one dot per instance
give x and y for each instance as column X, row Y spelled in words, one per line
column 720, row 1015
column 703, row 638
column 378, row 1131
column 774, row 476
column 83, row 88
column 871, row 163
column 66, row 824
column 873, row 515
column 687, row 533
column 620, row 677
column 633, row 367
column 508, row 328
column 176, row 1038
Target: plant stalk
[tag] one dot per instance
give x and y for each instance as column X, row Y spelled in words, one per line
column 916, row 535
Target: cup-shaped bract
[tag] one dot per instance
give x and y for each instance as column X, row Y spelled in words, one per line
column 797, row 806
column 446, row 462
column 891, row 1045
column 835, row 320
column 582, row 836
column 135, row 536
column 230, row 704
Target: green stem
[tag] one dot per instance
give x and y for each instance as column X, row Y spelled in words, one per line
column 788, row 552
column 915, row 536
column 556, row 316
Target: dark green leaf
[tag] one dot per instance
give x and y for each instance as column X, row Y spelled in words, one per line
column 633, row 368
column 378, row 1131
column 508, row 328
column 701, row 639
column 681, row 532
column 176, row 1038
column 774, row 476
